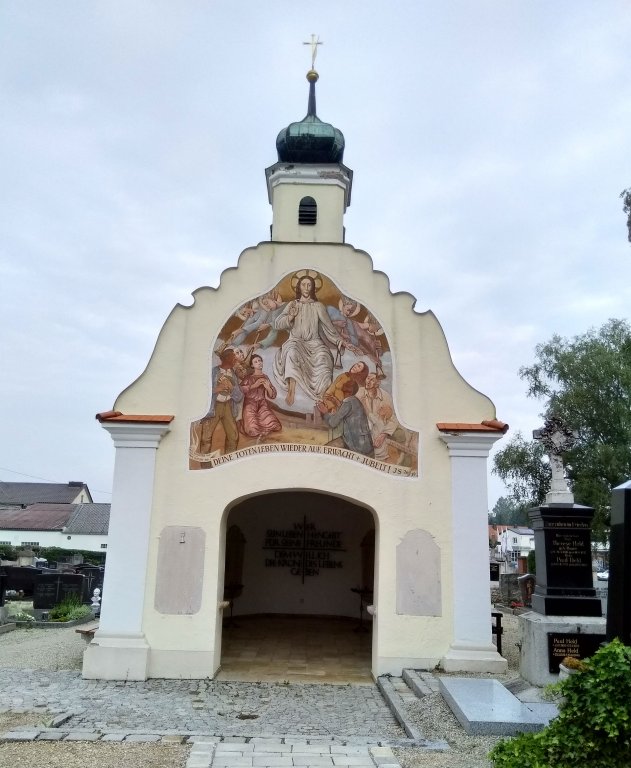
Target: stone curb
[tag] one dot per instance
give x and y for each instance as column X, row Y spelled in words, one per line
column 53, row 624
column 195, row 737
column 394, row 701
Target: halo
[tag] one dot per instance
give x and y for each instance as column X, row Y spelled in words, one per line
column 346, row 300
column 315, row 276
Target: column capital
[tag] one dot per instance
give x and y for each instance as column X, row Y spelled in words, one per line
column 472, row 444
column 134, row 434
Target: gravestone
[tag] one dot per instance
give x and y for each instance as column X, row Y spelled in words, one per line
column 21, row 579
column 52, row 588
column 564, row 581
column 509, row 588
column 92, row 578
column 566, row 617
column 526, row 587
column 619, row 592
column 563, row 551
column 3, row 582
column 494, row 571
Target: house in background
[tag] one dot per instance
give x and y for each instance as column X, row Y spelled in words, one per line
column 52, row 515
column 495, row 532
column 515, row 544
column 23, row 494
column 67, row 526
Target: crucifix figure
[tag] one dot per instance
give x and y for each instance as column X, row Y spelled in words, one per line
column 314, row 43
column 557, row 438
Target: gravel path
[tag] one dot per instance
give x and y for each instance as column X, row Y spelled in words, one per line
column 50, row 649
column 60, row 651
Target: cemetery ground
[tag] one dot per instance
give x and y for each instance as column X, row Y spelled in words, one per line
column 33, row 661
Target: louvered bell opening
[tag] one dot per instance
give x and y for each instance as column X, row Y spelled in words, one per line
column 308, row 211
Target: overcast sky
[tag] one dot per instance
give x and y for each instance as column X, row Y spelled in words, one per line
column 489, row 141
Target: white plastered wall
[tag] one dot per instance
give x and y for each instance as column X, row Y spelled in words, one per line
column 426, row 389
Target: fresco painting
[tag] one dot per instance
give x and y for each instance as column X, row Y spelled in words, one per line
column 304, row 367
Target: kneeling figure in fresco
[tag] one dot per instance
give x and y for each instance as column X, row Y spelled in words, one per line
column 352, row 416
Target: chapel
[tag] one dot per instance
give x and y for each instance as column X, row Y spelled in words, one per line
column 300, row 457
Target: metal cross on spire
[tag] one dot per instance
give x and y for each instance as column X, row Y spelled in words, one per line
column 314, row 43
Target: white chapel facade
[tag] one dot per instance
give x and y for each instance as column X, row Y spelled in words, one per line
column 299, row 437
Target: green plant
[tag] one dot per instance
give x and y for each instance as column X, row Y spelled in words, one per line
column 63, row 610
column 594, row 723
column 57, row 554
column 80, row 612
column 532, row 564
column 7, row 552
column 23, row 616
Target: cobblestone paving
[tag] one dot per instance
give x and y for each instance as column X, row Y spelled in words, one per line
column 206, row 707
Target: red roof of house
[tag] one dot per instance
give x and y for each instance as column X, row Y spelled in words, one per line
column 36, row 517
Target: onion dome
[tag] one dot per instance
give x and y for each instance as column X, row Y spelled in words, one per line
column 310, row 140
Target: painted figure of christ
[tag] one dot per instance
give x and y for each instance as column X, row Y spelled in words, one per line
column 304, row 358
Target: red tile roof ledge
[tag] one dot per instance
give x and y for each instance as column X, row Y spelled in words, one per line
column 133, row 418
column 492, row 425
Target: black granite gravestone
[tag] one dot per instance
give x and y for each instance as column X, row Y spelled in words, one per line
column 21, row 578
column 494, row 571
column 563, row 556
column 52, row 588
column 619, row 593
column 92, row 578
column 3, row 586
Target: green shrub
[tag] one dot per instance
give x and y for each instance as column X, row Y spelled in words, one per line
column 62, row 611
column 532, row 563
column 57, row 554
column 594, row 723
column 80, row 612
column 7, row 552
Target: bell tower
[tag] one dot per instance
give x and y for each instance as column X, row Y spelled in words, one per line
column 309, row 188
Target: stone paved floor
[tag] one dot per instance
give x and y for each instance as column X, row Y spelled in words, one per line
column 204, row 707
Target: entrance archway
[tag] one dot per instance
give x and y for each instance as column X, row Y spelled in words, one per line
column 299, row 572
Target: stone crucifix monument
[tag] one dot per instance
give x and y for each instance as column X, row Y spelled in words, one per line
column 563, row 552
column 566, row 617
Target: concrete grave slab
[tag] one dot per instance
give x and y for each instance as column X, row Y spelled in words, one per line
column 486, row 707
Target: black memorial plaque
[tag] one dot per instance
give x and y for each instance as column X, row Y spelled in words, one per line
column 574, row 644
column 494, row 571
column 3, row 586
column 564, row 582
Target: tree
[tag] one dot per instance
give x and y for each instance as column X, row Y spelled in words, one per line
column 586, row 381
column 626, row 207
column 507, row 512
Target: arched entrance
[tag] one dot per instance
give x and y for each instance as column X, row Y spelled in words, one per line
column 299, row 573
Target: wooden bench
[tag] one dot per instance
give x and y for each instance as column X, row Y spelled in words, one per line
column 497, row 629
column 87, row 632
